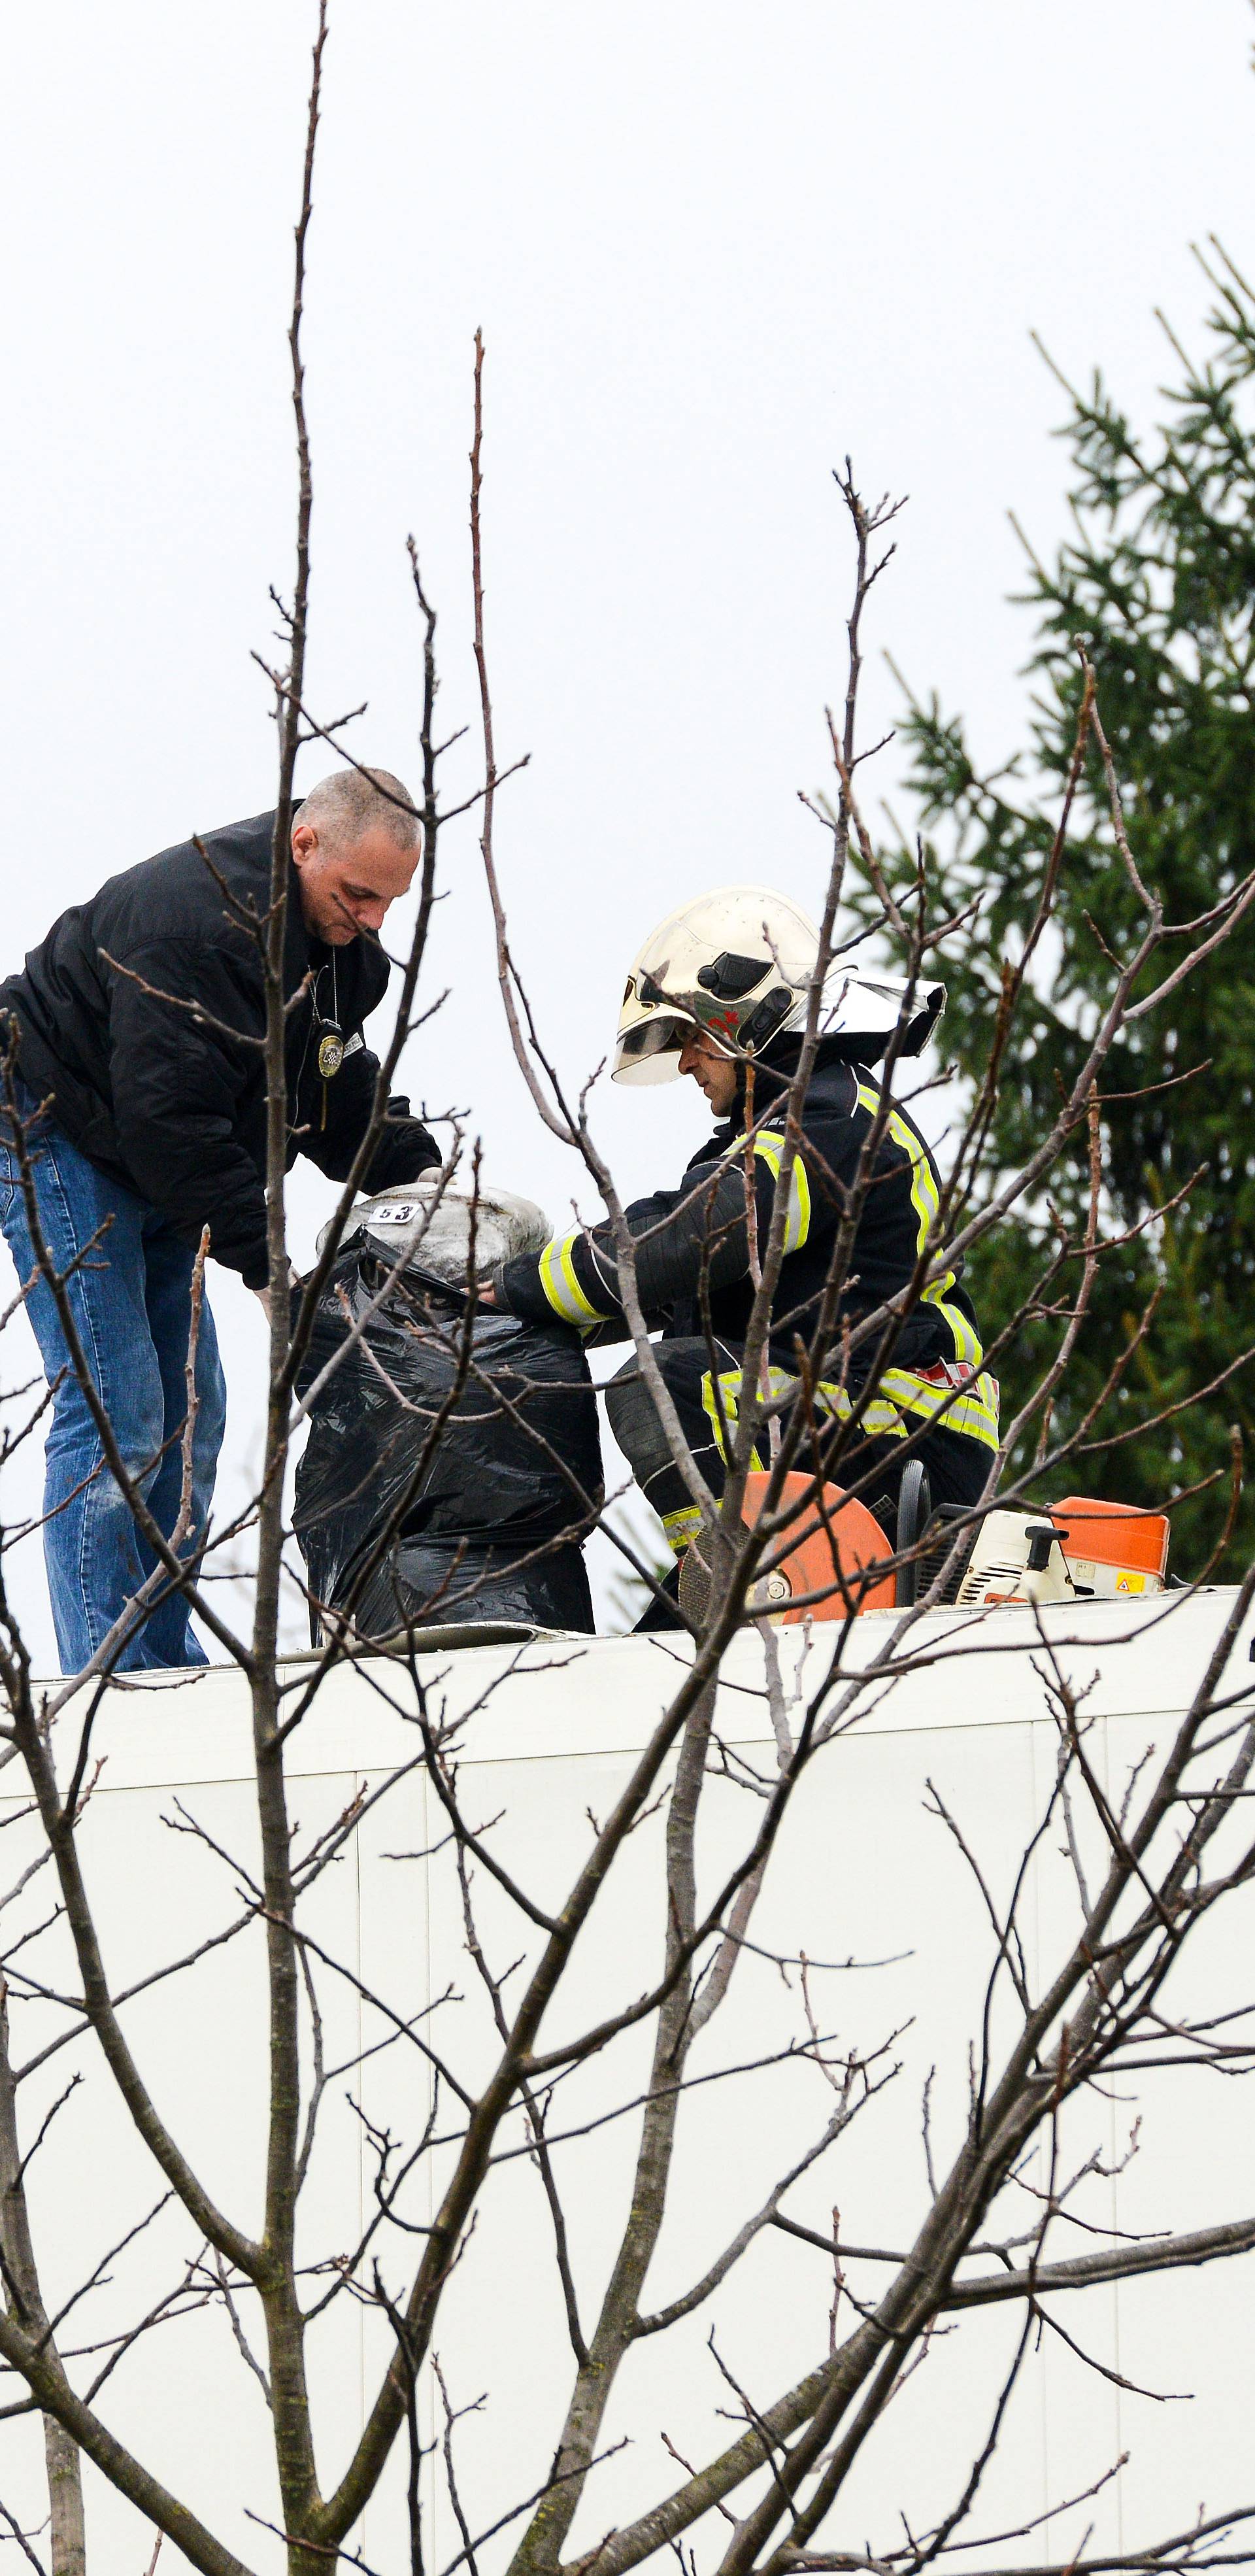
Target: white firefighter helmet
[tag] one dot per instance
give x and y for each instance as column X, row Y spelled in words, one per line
column 738, row 963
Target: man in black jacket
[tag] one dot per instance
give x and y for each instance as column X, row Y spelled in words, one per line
column 721, row 985
column 140, row 1079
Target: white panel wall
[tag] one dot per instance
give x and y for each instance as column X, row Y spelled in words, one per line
column 864, row 1874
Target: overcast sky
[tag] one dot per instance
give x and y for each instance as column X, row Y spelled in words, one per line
column 712, row 248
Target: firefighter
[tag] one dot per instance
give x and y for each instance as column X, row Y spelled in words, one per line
column 719, row 992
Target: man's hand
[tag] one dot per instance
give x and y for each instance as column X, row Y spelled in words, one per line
column 486, row 1293
column 262, row 1295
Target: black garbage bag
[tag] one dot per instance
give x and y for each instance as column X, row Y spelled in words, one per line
column 475, row 1531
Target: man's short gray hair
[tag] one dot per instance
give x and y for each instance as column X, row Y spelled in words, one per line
column 353, row 802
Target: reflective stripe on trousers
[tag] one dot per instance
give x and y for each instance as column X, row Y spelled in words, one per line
column 901, row 1395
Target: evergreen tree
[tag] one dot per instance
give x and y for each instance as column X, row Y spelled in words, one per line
column 1159, row 574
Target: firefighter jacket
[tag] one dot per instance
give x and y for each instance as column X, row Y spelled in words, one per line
column 693, row 1252
column 168, row 1095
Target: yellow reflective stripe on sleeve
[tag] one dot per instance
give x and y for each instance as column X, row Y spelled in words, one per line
column 769, row 1144
column 561, row 1287
column 967, row 1345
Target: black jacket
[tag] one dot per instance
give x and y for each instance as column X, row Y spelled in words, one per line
column 173, row 1106
column 703, row 1222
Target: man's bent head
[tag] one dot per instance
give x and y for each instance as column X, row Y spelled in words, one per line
column 712, row 1069
column 356, row 843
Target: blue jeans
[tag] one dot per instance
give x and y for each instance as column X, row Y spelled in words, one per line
column 131, row 1304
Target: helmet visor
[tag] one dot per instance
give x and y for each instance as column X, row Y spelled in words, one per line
column 650, row 1052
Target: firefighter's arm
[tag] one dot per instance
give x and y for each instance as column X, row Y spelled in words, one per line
column 680, row 1236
